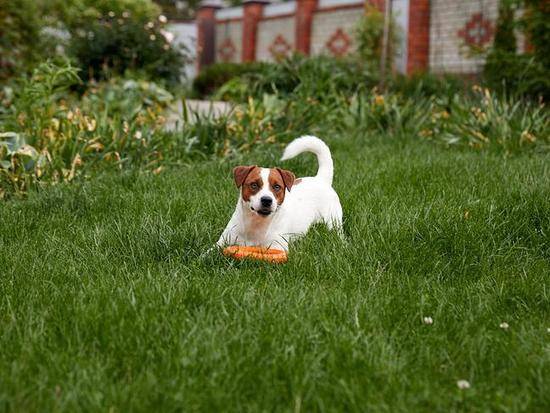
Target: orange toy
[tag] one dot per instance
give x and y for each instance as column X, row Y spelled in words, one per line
column 256, row 253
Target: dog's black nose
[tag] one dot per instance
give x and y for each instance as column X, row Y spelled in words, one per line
column 266, row 201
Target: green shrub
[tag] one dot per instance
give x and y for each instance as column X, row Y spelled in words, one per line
column 482, row 120
column 315, row 77
column 214, row 76
column 536, row 22
column 104, row 36
column 426, row 84
column 369, row 33
column 20, row 40
column 74, row 13
column 116, row 44
column 524, row 75
column 50, row 136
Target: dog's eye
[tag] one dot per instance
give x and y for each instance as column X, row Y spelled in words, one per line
column 254, row 186
column 277, row 187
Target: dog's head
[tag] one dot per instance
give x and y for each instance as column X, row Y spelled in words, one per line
column 263, row 189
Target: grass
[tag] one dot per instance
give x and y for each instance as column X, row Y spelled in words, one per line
column 106, row 302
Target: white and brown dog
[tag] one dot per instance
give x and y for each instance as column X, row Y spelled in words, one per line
column 274, row 207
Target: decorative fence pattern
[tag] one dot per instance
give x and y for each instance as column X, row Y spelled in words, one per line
column 436, row 35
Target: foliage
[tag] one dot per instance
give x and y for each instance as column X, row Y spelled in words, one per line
column 20, row 39
column 505, row 38
column 120, row 123
column 214, row 76
column 369, row 32
column 117, row 43
column 104, row 37
column 536, row 22
column 524, row 75
column 425, row 84
column 317, row 77
column 483, row 120
column 50, row 137
column 74, row 13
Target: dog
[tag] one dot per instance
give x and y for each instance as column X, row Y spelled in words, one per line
column 274, row 207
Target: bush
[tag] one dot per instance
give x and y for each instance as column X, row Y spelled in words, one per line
column 369, row 33
column 524, row 75
column 536, row 22
column 20, row 40
column 214, row 76
column 103, row 36
column 480, row 121
column 310, row 77
column 427, row 85
column 74, row 13
column 50, row 136
column 314, row 77
column 117, row 43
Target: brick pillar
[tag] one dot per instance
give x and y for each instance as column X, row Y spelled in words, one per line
column 418, row 41
column 304, row 19
column 252, row 10
column 206, row 33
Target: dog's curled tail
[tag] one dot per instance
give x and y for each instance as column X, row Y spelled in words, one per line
column 319, row 148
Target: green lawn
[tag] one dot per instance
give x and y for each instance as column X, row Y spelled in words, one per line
column 106, row 303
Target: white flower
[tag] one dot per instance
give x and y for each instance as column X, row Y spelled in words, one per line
column 162, row 19
column 150, row 25
column 169, row 36
column 111, row 14
column 548, row 330
column 126, row 14
column 463, row 384
column 428, row 320
column 152, row 37
column 137, row 135
column 504, row 325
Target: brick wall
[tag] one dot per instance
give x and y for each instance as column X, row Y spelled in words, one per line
column 436, row 35
column 456, row 24
column 332, row 30
column 229, row 41
column 275, row 38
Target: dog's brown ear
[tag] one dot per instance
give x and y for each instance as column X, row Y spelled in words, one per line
column 240, row 173
column 288, row 177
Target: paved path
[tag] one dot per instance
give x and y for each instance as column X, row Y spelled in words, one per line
column 213, row 109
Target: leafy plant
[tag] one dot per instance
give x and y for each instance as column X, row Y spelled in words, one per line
column 526, row 74
column 20, row 40
column 51, row 135
column 214, row 76
column 369, row 33
column 116, row 44
column 75, row 13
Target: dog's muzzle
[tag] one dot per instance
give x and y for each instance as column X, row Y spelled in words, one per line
column 266, row 203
